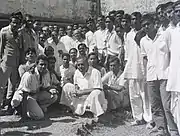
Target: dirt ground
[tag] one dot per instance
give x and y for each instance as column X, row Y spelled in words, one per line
column 57, row 123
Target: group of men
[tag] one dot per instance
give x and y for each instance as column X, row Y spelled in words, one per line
column 105, row 65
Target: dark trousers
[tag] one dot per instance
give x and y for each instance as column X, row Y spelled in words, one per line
column 160, row 104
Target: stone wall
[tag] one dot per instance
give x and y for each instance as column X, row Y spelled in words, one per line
column 130, row 5
column 64, row 9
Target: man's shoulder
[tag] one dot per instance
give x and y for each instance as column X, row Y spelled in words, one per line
column 5, row 29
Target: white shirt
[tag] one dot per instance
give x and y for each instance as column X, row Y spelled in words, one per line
column 158, row 60
column 172, row 39
column 91, row 79
column 98, row 40
column 89, row 40
column 112, row 42
column 68, row 42
column 57, row 48
column 66, row 72
column 134, row 68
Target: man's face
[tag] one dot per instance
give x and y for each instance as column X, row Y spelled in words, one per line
column 101, row 21
column 51, row 64
column 37, row 26
column 61, row 32
column 82, row 50
column 119, row 16
column 114, row 66
column 73, row 54
column 147, row 26
column 109, row 23
column 82, row 65
column 56, row 28
column 75, row 27
column 124, row 23
column 31, row 56
column 45, row 31
column 77, row 34
column 54, row 35
column 51, row 28
column 120, row 31
column 69, row 30
column 90, row 25
column 65, row 60
column 92, row 60
column 29, row 22
column 177, row 13
column 160, row 14
column 15, row 24
column 49, row 52
column 169, row 13
column 42, row 66
column 42, row 39
column 134, row 21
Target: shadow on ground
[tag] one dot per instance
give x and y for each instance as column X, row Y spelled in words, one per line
column 19, row 133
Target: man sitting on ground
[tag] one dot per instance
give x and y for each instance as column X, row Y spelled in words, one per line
column 86, row 93
column 35, row 92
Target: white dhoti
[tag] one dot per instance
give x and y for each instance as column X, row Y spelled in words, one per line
column 95, row 102
column 175, row 108
column 140, row 103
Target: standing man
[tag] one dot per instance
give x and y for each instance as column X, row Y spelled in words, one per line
column 172, row 41
column 9, row 55
column 68, row 39
column 157, row 61
column 58, row 47
column 89, row 35
column 134, row 72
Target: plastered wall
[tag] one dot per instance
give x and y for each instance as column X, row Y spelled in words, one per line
column 130, row 5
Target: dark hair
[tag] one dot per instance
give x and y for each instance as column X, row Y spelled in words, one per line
column 111, row 18
column 30, row 50
column 176, row 3
column 89, row 20
column 148, row 17
column 17, row 15
column 114, row 59
column 83, row 58
column 51, row 58
column 138, row 15
column 92, row 54
column 82, row 44
column 127, row 17
column 112, row 12
column 28, row 15
column 120, row 12
column 101, row 16
column 66, row 54
column 47, row 48
column 168, row 4
column 73, row 49
column 41, row 57
column 160, row 6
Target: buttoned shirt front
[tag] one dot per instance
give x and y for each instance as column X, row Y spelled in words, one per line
column 68, row 42
column 89, row 40
column 91, row 79
column 112, row 42
column 172, row 39
column 158, row 61
column 9, row 47
column 98, row 40
column 134, row 68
